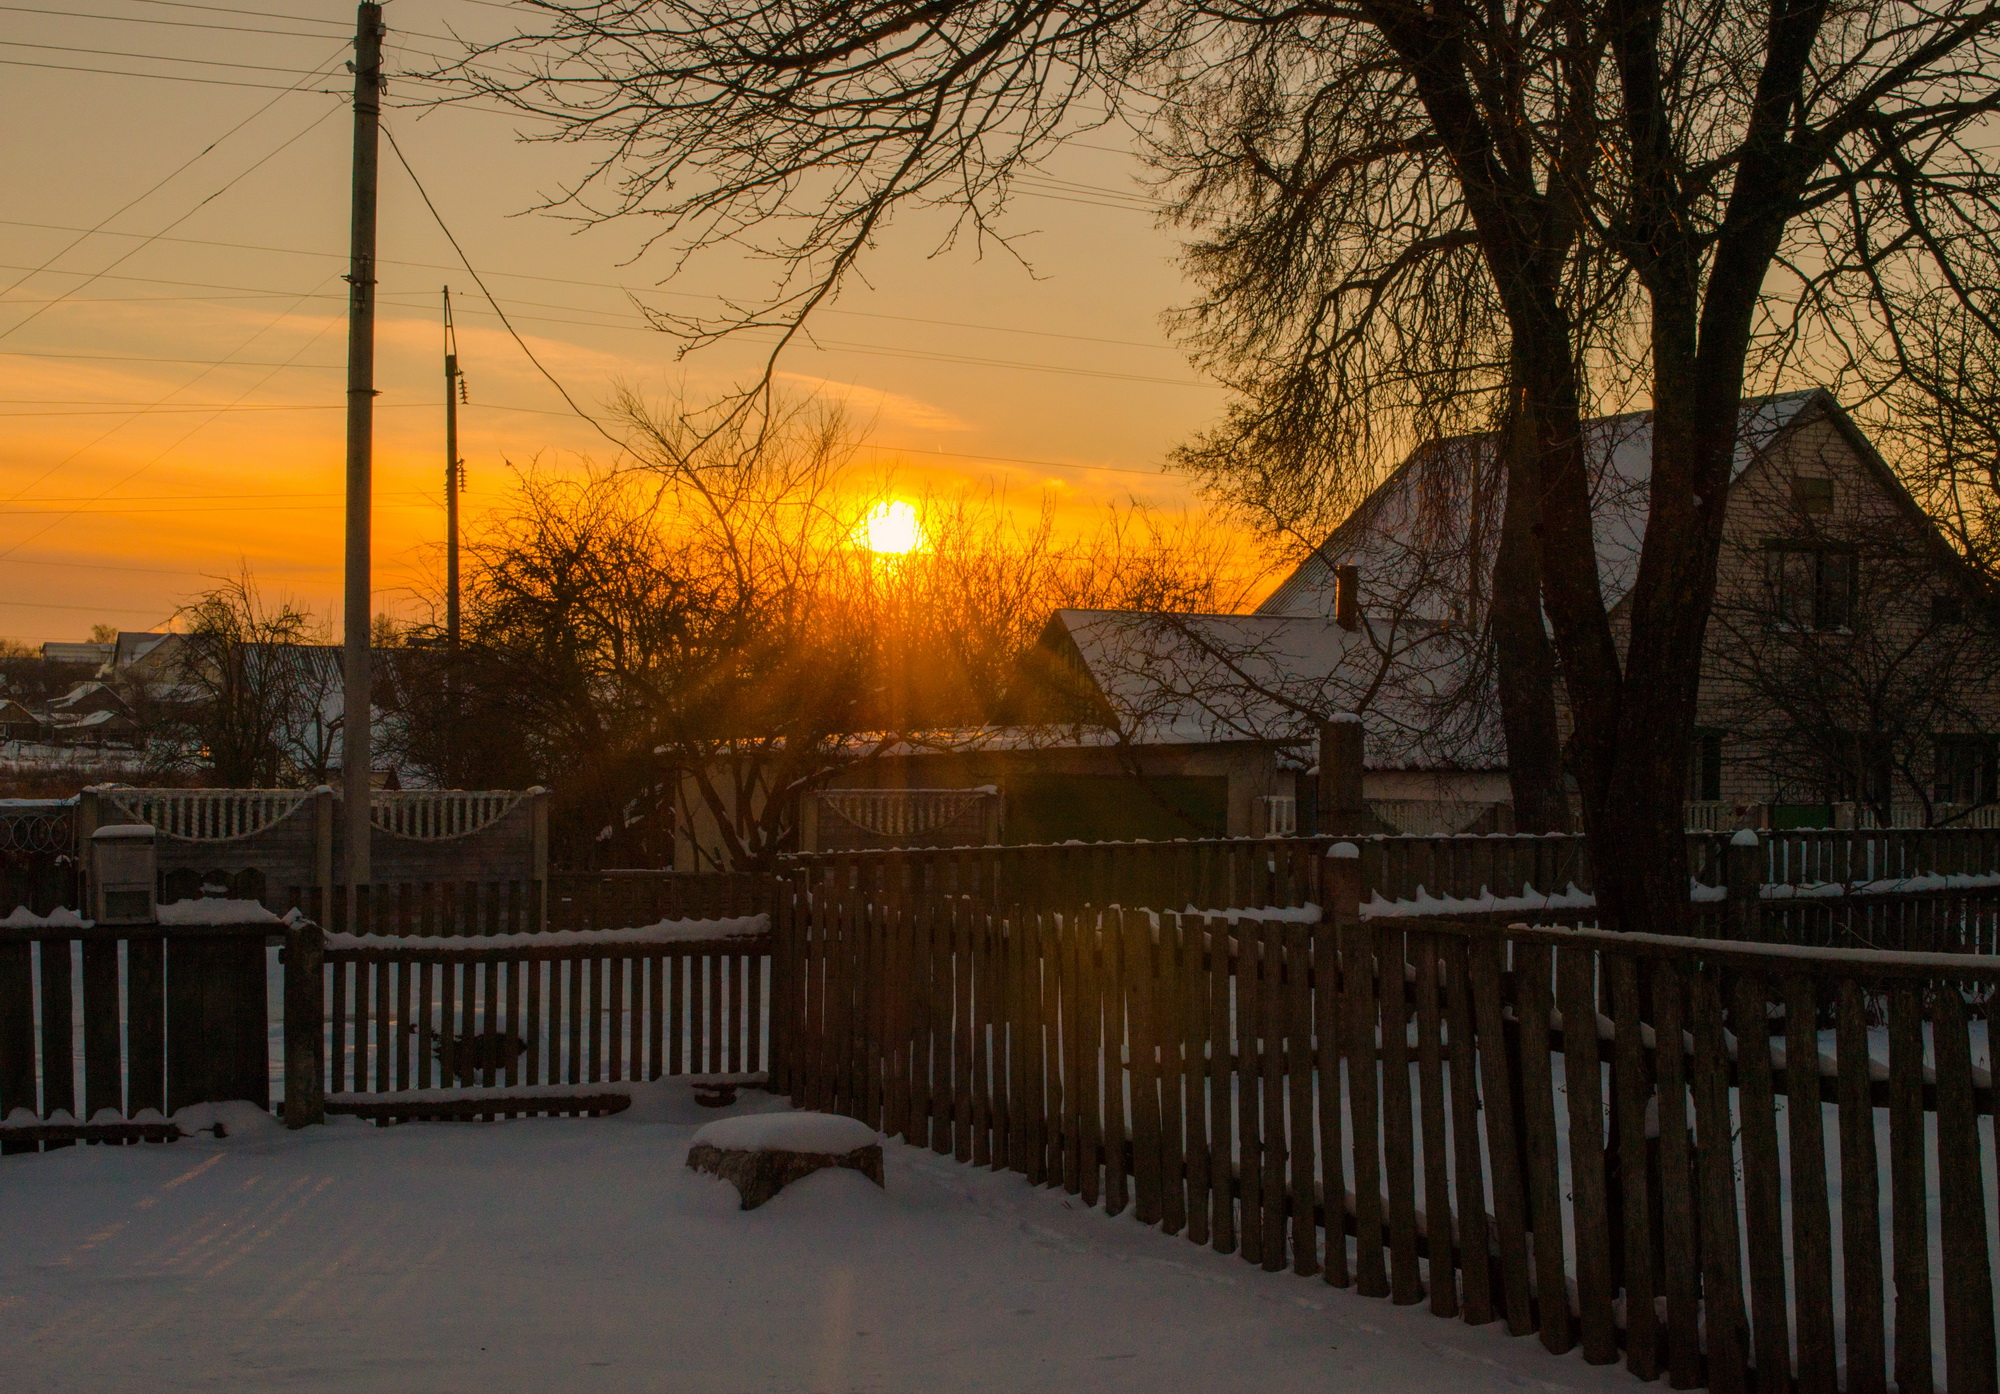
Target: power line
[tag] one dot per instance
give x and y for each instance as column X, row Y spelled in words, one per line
column 149, row 239
column 158, row 57
column 88, row 609
column 191, row 508
column 195, row 362
column 161, row 77
column 171, row 23
column 424, row 194
column 157, row 410
column 173, row 174
column 227, row 10
column 241, row 396
column 571, row 281
column 226, row 498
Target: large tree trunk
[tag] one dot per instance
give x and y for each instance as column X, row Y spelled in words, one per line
column 1524, row 659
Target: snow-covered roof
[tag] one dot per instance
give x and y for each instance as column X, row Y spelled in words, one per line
column 85, row 692
column 1178, row 679
column 135, row 644
column 1414, row 539
column 112, row 720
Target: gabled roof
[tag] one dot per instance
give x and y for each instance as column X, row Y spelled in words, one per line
column 88, row 696
column 1414, row 538
column 133, row 645
column 1178, row 679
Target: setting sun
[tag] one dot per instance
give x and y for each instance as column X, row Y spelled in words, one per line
column 891, row 528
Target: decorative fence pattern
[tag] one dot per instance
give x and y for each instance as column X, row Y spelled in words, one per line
column 296, row 838
column 162, row 1019
column 203, row 815
column 432, row 815
column 37, row 854
column 412, row 1014
column 1392, row 1104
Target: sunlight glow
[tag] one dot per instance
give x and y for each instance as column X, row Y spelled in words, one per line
column 891, row 528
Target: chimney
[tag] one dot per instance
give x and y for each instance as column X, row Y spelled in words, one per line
column 1347, row 597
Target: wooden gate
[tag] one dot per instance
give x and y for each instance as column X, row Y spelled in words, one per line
column 131, row 1020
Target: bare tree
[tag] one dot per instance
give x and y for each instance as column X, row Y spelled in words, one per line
column 700, row 635
column 1750, row 174
column 248, row 696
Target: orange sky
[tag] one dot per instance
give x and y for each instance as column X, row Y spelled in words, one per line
column 220, row 308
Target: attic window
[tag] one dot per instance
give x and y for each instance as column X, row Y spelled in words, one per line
column 1813, row 495
column 1813, row 584
column 1947, row 608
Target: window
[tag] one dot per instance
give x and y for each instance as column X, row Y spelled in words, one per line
column 1705, row 766
column 1947, row 607
column 1813, row 584
column 1865, row 768
column 1281, row 815
column 1963, row 769
column 1813, row 495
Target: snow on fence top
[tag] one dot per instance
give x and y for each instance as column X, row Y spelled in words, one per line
column 184, row 913
column 664, row 932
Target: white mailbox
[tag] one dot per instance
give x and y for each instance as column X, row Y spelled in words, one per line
column 123, row 874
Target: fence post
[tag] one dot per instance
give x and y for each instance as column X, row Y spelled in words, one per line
column 1745, row 878
column 1340, row 884
column 322, row 823
column 539, row 801
column 1342, row 807
column 305, row 1079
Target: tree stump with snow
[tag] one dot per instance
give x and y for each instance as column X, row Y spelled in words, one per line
column 762, row 1153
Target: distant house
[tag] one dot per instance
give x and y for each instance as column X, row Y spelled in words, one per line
column 133, row 645
column 86, row 699
column 17, row 723
column 91, row 655
column 97, row 728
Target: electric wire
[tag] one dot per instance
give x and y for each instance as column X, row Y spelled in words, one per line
column 206, row 369
column 478, row 280
column 158, row 58
column 173, row 174
column 150, row 239
column 164, row 77
column 184, row 439
column 561, row 281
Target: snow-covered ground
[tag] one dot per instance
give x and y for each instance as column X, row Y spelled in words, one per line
column 580, row 1254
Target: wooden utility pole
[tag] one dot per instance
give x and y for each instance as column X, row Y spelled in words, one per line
column 454, row 477
column 357, row 692
column 454, row 483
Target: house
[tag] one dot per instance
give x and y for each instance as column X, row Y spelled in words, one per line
column 17, row 723
column 86, row 699
column 101, row 728
column 1134, row 725
column 1849, row 669
column 90, row 655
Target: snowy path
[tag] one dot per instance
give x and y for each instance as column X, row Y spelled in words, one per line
column 557, row 1255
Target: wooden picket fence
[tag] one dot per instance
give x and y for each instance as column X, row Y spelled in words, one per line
column 1225, row 873
column 422, row 908
column 165, row 1018
column 620, row 899
column 418, row 1015
column 1392, row 1104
